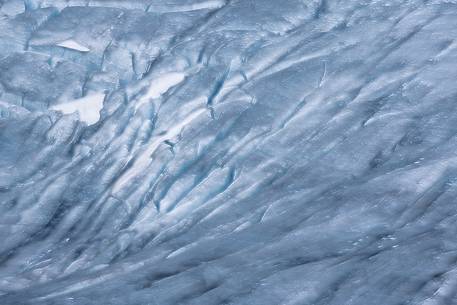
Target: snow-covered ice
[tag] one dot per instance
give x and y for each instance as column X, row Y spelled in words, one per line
column 73, row 45
column 88, row 107
column 245, row 152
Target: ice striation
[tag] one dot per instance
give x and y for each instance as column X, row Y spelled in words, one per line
column 228, row 152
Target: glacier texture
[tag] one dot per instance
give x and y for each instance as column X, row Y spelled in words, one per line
column 252, row 152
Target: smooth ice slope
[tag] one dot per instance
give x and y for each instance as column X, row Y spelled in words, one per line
column 249, row 152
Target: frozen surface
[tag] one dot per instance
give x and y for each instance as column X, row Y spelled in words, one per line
column 254, row 152
column 73, row 45
column 88, row 107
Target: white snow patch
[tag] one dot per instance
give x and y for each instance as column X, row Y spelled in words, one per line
column 73, row 45
column 161, row 85
column 88, row 107
column 205, row 5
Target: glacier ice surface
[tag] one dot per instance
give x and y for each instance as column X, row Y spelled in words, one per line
column 228, row 152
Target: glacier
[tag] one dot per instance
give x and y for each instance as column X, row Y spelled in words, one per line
column 252, row 152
